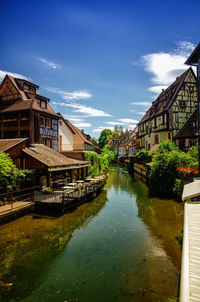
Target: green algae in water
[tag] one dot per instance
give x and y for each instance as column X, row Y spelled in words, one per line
column 119, row 247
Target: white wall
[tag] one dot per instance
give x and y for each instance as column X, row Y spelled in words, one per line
column 67, row 137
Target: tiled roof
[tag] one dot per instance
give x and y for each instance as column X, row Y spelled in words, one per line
column 6, row 144
column 168, row 95
column 78, row 132
column 52, row 158
column 29, row 104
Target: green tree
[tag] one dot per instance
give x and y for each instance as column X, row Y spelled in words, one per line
column 108, row 152
column 193, row 153
column 164, row 169
column 10, row 176
column 104, row 137
column 144, row 156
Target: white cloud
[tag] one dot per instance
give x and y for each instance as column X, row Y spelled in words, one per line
column 82, row 125
column 115, row 123
column 99, row 129
column 76, row 120
column 147, row 104
column 71, row 96
column 166, row 66
column 138, row 112
column 127, row 121
column 48, row 63
column 92, row 112
column 157, row 89
column 131, row 127
column 15, row 75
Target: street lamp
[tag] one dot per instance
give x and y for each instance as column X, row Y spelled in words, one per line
column 194, row 60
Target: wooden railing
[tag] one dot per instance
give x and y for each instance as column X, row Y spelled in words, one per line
column 20, row 195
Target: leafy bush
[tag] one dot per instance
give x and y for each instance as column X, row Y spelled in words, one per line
column 166, row 146
column 164, row 169
column 10, row 176
column 193, row 153
column 98, row 163
column 144, row 156
column 108, row 152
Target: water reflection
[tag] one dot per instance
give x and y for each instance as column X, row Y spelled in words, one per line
column 30, row 245
column 121, row 250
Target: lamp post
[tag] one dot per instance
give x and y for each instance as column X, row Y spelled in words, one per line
column 194, row 60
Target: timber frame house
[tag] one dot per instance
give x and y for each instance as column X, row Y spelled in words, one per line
column 169, row 112
column 24, row 113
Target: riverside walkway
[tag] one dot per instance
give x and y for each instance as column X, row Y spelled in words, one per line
column 190, row 269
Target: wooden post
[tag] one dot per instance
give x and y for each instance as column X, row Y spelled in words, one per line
column 79, row 173
column 73, row 175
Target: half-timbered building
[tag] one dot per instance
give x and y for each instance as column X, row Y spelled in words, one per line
column 24, row 113
column 169, row 112
column 188, row 134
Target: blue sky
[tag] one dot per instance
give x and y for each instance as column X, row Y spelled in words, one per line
column 101, row 63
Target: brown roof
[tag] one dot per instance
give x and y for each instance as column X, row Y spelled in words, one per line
column 52, row 158
column 168, row 95
column 69, row 125
column 188, row 130
column 78, row 132
column 29, row 104
column 6, row 144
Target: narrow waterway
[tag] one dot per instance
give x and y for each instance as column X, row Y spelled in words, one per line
column 120, row 247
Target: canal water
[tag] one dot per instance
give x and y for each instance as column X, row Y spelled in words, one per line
column 120, row 247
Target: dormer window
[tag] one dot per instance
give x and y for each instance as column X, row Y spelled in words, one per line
column 43, row 104
column 26, row 87
column 32, row 89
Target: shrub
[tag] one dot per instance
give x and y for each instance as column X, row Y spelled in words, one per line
column 193, row 153
column 164, row 168
column 108, row 152
column 10, row 176
column 144, row 156
column 98, row 163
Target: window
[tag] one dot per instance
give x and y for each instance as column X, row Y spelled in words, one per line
column 169, row 136
column 192, row 124
column 163, row 119
column 26, row 87
column 155, row 123
column 156, row 139
column 42, row 121
column 43, row 104
column 32, row 89
column 48, row 122
column 182, row 104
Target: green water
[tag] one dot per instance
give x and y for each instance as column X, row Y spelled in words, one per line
column 119, row 247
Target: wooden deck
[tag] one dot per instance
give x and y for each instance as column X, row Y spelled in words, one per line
column 190, row 269
column 69, row 196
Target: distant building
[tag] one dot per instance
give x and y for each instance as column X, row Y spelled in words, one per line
column 24, row 113
column 169, row 112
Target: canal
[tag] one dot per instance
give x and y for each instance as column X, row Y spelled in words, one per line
column 120, row 247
